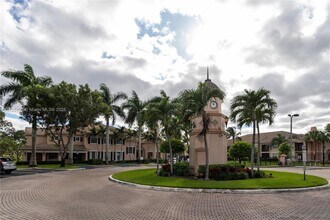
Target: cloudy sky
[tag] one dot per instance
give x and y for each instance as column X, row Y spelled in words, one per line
column 146, row 46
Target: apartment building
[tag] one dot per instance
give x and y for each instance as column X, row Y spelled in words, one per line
column 87, row 145
column 314, row 150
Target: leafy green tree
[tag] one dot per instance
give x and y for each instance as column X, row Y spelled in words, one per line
column 232, row 133
column 25, row 85
column 11, row 141
column 194, row 104
column 327, row 129
column 244, row 110
column 176, row 144
column 111, row 109
column 284, row 148
column 65, row 110
column 240, row 150
column 135, row 107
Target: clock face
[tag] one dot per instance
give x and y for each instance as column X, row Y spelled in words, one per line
column 214, row 104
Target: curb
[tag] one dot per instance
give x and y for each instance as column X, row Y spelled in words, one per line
column 224, row 191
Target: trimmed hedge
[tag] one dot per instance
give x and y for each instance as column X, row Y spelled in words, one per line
column 226, row 172
column 181, row 169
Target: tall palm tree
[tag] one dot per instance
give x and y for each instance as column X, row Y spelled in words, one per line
column 165, row 110
column 244, row 110
column 194, row 102
column 312, row 137
column 264, row 113
column 152, row 120
column 232, row 133
column 135, row 107
column 25, row 85
column 110, row 111
column 323, row 138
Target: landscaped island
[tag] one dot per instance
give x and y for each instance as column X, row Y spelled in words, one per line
column 279, row 180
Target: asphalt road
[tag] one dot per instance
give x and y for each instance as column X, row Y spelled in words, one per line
column 87, row 194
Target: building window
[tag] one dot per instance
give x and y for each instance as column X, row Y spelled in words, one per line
column 298, row 146
column 52, row 156
column 77, row 139
column 93, row 155
column 92, row 140
column 119, row 141
column 129, row 150
column 265, row 148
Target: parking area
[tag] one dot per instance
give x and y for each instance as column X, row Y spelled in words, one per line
column 87, row 194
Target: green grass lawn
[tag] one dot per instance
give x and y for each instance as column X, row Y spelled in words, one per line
column 280, row 180
column 52, row 166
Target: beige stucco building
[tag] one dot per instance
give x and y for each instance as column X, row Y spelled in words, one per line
column 87, row 146
column 314, row 151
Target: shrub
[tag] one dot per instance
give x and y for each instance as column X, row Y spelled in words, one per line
column 146, row 161
column 95, row 161
column 259, row 174
column 165, row 170
column 226, row 172
column 242, row 175
column 181, row 169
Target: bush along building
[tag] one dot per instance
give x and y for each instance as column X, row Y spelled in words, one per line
column 89, row 145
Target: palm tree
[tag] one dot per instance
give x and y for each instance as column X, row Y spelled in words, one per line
column 110, row 111
column 244, row 111
column 165, row 110
column 323, row 138
column 135, row 107
column 231, row 133
column 312, row 137
column 152, row 120
column 131, row 134
column 25, row 85
column 276, row 141
column 264, row 113
column 194, row 102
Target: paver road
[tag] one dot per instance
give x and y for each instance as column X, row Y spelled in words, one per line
column 87, row 194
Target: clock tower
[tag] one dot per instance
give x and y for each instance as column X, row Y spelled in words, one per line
column 216, row 136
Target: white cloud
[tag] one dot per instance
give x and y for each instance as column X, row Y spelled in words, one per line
column 243, row 42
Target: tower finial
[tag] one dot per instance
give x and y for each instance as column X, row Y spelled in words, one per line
column 207, row 72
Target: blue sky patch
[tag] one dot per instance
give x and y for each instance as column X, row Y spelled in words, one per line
column 180, row 24
column 17, row 8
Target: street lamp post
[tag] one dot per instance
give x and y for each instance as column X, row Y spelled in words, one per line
column 291, row 116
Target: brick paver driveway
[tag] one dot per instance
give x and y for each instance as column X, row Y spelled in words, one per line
column 87, row 194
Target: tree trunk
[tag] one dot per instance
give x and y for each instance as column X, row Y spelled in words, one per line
column 323, row 155
column 157, row 151
column 107, row 142
column 33, row 160
column 140, row 155
column 63, row 161
column 253, row 143
column 206, row 158
column 171, row 153
column 258, row 156
column 71, row 150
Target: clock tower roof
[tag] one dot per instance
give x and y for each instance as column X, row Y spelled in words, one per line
column 208, row 81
